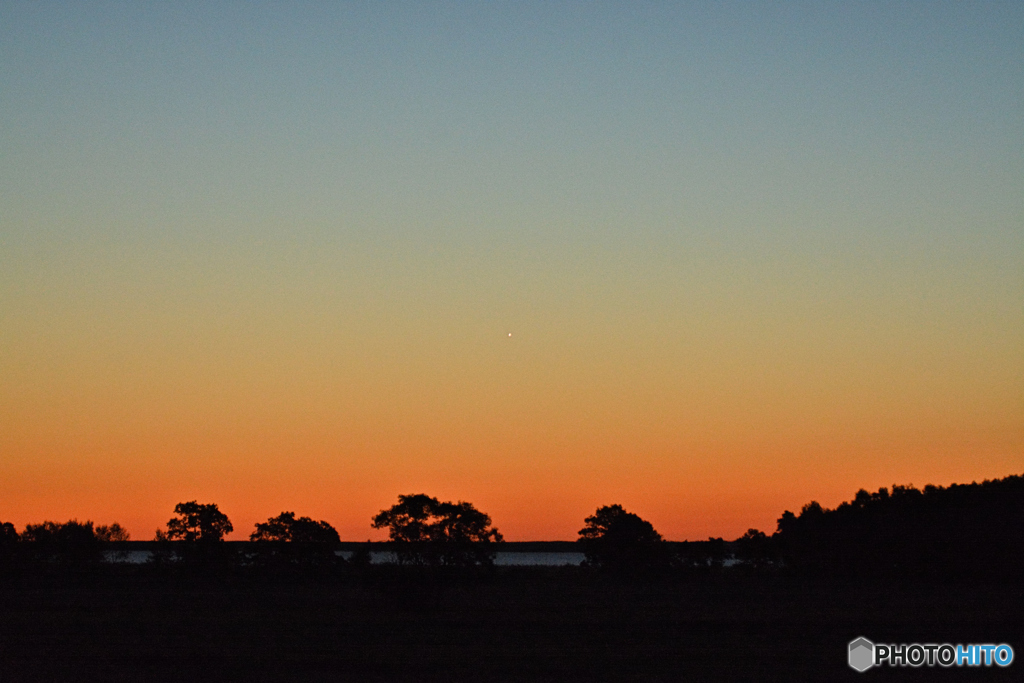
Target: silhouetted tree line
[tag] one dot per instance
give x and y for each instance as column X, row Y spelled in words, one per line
column 962, row 531
column 56, row 548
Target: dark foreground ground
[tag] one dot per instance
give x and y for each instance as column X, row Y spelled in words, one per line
column 524, row 625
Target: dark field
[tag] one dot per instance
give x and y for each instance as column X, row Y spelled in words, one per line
column 524, row 625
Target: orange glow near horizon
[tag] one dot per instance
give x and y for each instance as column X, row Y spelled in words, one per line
column 534, row 487
column 706, row 420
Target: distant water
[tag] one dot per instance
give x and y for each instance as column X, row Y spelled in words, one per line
column 558, row 559
column 502, row 559
column 127, row 556
column 376, row 556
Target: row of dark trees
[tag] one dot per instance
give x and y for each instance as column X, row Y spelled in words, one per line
column 960, row 531
column 963, row 531
column 67, row 544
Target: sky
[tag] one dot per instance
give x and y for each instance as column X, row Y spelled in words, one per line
column 709, row 261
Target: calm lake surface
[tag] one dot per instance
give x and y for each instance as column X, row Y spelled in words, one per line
column 502, row 559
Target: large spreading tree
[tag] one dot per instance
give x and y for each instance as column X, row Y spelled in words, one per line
column 198, row 522
column 428, row 531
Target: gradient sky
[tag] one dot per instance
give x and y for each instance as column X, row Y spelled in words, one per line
column 269, row 255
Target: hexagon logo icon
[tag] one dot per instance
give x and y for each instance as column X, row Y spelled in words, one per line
column 861, row 654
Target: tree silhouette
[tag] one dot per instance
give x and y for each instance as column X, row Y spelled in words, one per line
column 427, row 531
column 284, row 543
column 960, row 531
column 285, row 527
column 8, row 548
column 621, row 542
column 112, row 532
column 8, row 534
column 55, row 532
column 754, row 550
column 69, row 544
column 198, row 522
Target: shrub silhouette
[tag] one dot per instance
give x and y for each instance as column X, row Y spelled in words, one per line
column 621, row 542
column 426, row 531
column 361, row 557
